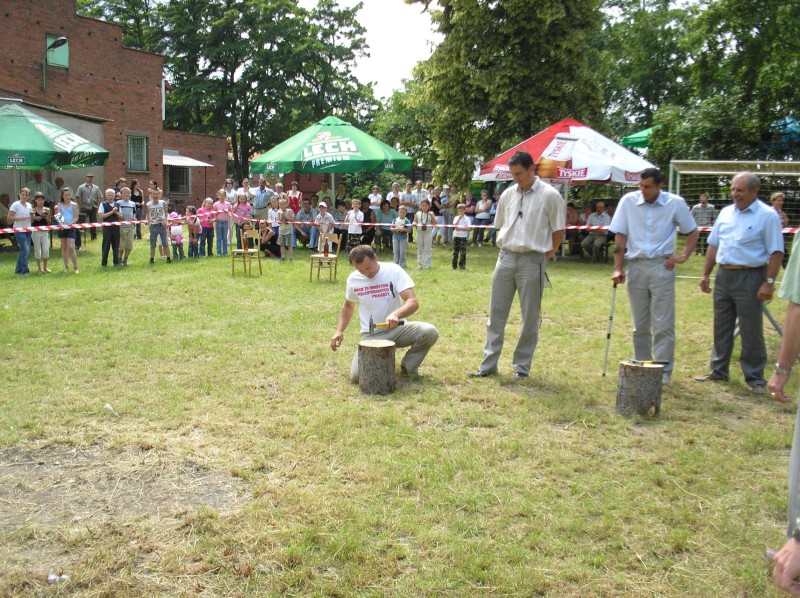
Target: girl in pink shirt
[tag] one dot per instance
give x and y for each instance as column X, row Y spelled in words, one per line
column 221, row 225
column 205, row 215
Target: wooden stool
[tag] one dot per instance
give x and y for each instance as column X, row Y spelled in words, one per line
column 639, row 388
column 376, row 366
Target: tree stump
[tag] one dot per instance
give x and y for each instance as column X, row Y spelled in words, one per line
column 376, row 367
column 639, row 388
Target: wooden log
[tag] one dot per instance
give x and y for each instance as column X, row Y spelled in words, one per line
column 639, row 388
column 376, row 366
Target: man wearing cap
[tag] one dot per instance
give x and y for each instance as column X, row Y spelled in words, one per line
column 261, row 197
column 384, row 292
column 747, row 243
column 89, row 197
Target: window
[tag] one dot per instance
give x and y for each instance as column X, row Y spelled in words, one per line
column 179, row 180
column 57, row 56
column 137, row 154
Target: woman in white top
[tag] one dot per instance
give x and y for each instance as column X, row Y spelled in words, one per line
column 425, row 223
column 481, row 217
column 375, row 199
column 19, row 213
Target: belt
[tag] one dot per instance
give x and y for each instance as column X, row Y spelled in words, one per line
column 734, row 267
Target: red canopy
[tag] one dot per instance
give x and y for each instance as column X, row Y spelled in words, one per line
column 579, row 155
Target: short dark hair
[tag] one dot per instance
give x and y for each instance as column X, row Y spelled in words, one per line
column 571, row 205
column 521, row 158
column 652, row 173
column 361, row 252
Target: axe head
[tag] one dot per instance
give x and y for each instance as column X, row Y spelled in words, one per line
column 371, row 326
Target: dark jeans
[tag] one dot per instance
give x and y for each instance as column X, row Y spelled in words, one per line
column 206, row 238
column 110, row 241
column 459, row 252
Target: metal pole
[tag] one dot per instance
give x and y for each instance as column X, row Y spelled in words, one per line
column 610, row 323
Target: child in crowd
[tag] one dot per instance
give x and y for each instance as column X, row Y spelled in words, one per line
column 206, row 217
column 242, row 213
column 425, row 222
column 156, row 210
column 325, row 223
column 400, row 228
column 285, row 219
column 274, row 213
column 268, row 243
column 339, row 215
column 460, row 236
column 222, row 222
column 176, row 236
column 354, row 219
column 193, row 224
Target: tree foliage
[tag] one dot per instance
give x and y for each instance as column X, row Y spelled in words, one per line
column 257, row 71
column 505, row 70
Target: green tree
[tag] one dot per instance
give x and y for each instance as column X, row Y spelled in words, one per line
column 504, row 71
column 138, row 19
column 746, row 56
column 259, row 71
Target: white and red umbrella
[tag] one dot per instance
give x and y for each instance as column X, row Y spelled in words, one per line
column 569, row 152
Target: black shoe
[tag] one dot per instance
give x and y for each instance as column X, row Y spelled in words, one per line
column 481, row 374
column 169, row 261
column 152, row 261
column 520, row 376
column 709, row 378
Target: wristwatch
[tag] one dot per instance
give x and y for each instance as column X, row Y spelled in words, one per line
column 770, row 280
column 782, row 372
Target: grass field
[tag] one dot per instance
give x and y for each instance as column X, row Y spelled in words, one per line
column 174, row 430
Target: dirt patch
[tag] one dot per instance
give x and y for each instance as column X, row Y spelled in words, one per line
column 56, row 485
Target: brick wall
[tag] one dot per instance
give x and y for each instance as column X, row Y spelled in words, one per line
column 104, row 79
column 206, row 148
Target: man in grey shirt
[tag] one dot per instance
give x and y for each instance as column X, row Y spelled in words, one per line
column 89, row 197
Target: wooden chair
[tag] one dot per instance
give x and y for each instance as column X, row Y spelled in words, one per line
column 320, row 260
column 251, row 241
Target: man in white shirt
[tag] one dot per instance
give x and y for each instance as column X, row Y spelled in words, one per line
column 530, row 224
column 594, row 241
column 39, row 185
column 644, row 233
column 385, row 292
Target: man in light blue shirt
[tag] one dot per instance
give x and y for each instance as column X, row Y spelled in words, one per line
column 747, row 243
column 644, row 233
column 261, row 197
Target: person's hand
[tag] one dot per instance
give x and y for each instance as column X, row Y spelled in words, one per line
column 392, row 322
column 336, row 341
column 672, row 261
column 775, row 387
column 618, row 276
column 787, row 567
column 765, row 292
column 704, row 284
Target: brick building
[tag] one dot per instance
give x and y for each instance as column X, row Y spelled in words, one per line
column 109, row 94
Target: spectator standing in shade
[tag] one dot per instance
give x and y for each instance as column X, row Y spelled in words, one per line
column 595, row 240
column 294, row 196
column 38, row 185
column 89, row 197
column 704, row 214
column 40, row 216
column 324, row 194
column 747, row 244
column 482, row 218
column 776, row 199
column 447, row 214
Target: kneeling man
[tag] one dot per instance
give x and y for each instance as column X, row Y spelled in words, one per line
column 385, row 292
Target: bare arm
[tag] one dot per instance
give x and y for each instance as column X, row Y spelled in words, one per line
column 558, row 236
column 345, row 315
column 790, row 349
column 708, row 267
column 691, row 241
column 773, row 265
column 620, row 243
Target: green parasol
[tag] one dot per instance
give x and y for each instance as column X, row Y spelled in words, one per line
column 638, row 139
column 331, row 145
column 30, row 142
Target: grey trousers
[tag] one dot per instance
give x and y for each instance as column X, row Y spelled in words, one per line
column 651, row 293
column 418, row 336
column 514, row 272
column 736, row 296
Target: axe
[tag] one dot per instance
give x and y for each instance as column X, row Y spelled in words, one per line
column 373, row 325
